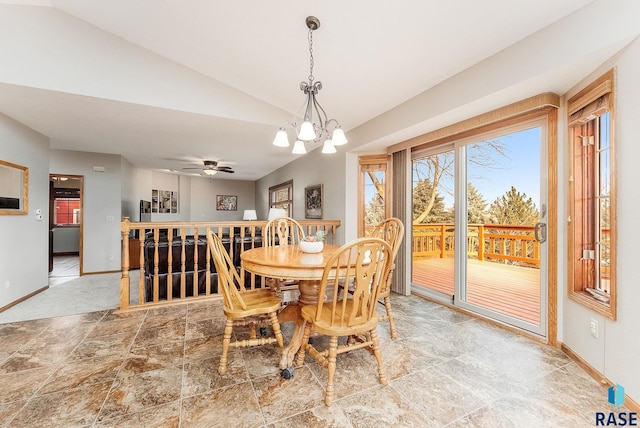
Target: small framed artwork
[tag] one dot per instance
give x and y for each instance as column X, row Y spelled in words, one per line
column 227, row 203
column 313, row 201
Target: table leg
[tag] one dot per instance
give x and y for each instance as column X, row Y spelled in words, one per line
column 292, row 312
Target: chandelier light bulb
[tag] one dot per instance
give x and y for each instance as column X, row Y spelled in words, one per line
column 299, row 148
column 282, row 139
column 328, row 147
column 306, row 131
column 338, row 137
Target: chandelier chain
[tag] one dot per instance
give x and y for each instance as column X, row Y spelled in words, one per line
column 310, row 56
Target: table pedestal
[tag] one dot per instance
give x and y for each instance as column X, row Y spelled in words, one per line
column 292, row 312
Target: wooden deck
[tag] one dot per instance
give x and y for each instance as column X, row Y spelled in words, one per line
column 510, row 290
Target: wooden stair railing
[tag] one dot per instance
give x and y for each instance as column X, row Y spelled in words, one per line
column 245, row 230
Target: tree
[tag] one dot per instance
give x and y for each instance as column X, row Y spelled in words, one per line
column 426, row 200
column 476, row 206
column 514, row 208
column 440, row 167
column 374, row 210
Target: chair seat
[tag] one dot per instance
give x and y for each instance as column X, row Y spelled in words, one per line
column 324, row 326
column 258, row 302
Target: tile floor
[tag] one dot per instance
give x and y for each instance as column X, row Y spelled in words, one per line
column 157, row 368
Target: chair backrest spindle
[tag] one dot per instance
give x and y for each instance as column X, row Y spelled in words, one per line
column 229, row 283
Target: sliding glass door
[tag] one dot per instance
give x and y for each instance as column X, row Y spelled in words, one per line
column 479, row 225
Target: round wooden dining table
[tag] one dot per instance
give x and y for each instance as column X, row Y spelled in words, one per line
column 289, row 262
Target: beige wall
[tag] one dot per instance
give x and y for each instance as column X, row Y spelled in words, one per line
column 615, row 352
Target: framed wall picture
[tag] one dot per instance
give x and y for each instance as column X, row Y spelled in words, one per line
column 226, row 203
column 313, row 201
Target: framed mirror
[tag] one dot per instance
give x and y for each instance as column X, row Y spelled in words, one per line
column 14, row 186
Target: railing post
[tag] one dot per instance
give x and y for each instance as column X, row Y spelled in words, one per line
column 481, row 242
column 442, row 241
column 125, row 292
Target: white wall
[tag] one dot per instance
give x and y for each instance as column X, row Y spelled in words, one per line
column 66, row 240
column 102, row 205
column 615, row 352
column 205, row 191
column 310, row 169
column 130, row 203
column 24, row 241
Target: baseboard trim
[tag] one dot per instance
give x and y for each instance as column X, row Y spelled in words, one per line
column 629, row 403
column 100, row 273
column 23, row 298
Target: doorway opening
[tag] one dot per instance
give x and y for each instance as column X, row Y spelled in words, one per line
column 65, row 227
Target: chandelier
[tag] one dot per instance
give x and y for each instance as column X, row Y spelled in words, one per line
column 315, row 125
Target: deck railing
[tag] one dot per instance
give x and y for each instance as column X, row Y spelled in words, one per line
column 135, row 251
column 490, row 242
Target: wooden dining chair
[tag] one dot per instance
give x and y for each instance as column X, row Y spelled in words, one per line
column 365, row 263
column 392, row 231
column 242, row 307
column 283, row 231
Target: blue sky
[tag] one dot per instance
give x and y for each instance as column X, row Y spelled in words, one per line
column 519, row 167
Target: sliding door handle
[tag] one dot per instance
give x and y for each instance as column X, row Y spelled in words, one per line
column 540, row 232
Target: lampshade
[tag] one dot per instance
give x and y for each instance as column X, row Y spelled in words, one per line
column 299, row 148
column 250, row 215
column 306, row 131
column 328, row 147
column 276, row 212
column 338, row 137
column 282, row 139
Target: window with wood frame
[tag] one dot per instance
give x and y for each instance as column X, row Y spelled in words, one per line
column 281, row 196
column 592, row 197
column 373, row 192
column 66, row 206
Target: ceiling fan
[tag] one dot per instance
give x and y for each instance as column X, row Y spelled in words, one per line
column 210, row 167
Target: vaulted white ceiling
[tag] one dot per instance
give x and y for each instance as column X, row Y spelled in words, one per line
column 159, row 81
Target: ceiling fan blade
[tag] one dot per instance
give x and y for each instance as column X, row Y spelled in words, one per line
column 230, row 171
column 193, row 168
column 223, row 168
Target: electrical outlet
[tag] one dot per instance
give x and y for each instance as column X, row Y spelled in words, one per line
column 593, row 325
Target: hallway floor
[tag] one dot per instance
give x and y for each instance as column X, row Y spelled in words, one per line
column 65, row 268
column 157, row 368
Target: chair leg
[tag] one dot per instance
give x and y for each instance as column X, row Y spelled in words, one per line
column 376, row 351
column 331, row 368
column 392, row 326
column 276, row 328
column 226, row 341
column 303, row 345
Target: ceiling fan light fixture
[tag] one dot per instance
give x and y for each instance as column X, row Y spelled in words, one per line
column 210, row 171
column 315, row 125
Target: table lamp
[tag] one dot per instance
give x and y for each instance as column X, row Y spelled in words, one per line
column 250, row 215
column 276, row 212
